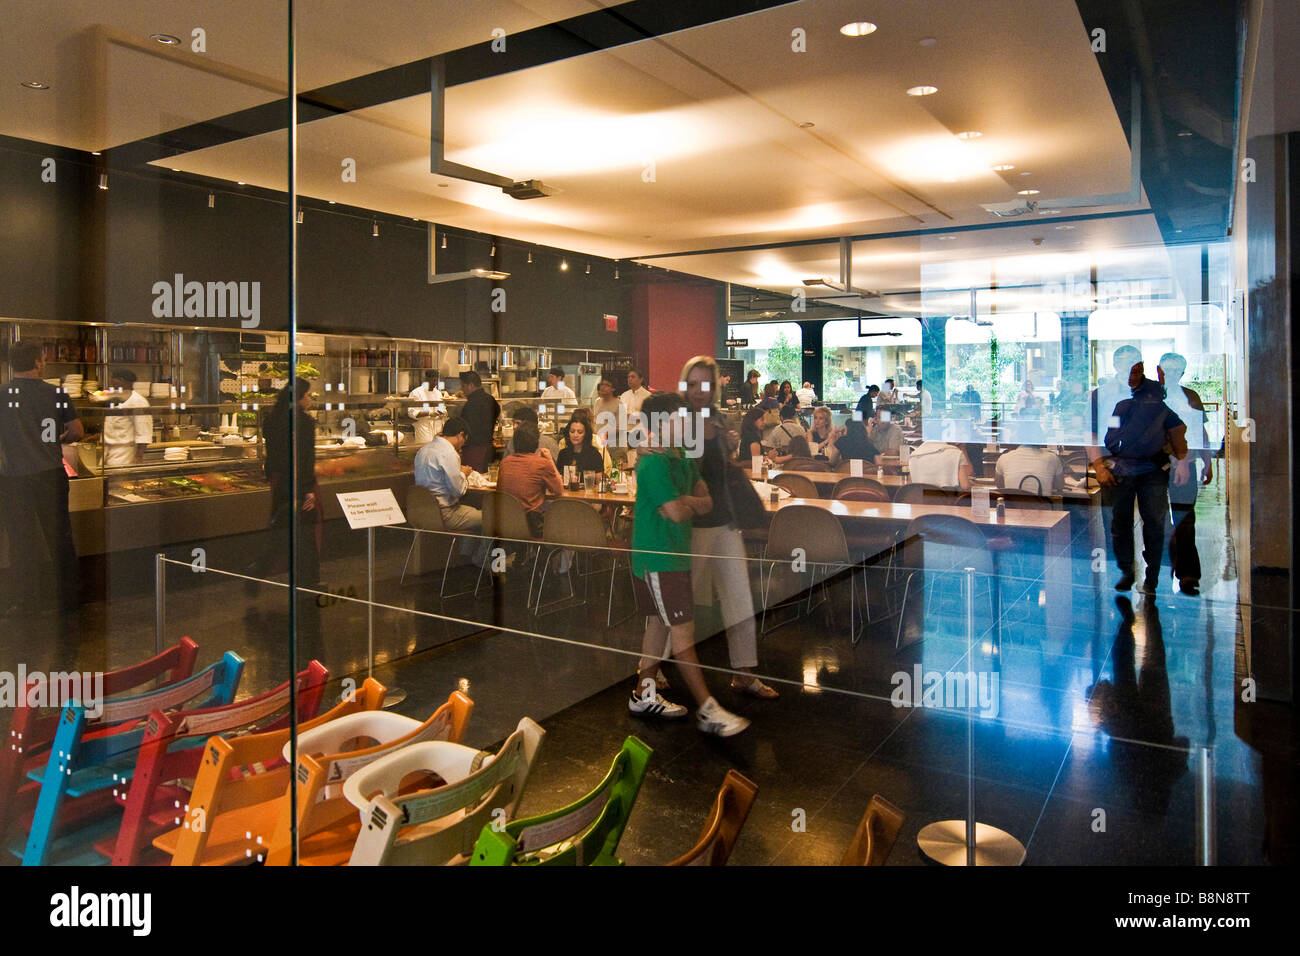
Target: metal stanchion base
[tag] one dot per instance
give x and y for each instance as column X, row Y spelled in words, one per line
column 393, row 697
column 945, row 843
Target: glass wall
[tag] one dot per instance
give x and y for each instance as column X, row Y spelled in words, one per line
column 775, row 349
column 857, row 355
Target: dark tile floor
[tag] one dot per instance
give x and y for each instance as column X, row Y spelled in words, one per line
column 1091, row 757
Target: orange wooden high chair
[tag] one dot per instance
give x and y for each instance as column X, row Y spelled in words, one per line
column 329, row 754
column 234, row 806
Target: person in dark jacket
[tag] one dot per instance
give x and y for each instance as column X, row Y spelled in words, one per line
column 291, row 405
column 480, row 413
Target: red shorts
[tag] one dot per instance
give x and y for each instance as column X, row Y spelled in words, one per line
column 666, row 595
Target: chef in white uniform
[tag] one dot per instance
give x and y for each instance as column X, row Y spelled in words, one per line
column 126, row 436
column 428, row 393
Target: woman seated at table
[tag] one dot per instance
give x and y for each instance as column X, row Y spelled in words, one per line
column 822, row 438
column 597, row 439
column 854, row 443
column 796, row 455
column 938, row 463
column 578, row 448
column 751, row 434
column 529, row 474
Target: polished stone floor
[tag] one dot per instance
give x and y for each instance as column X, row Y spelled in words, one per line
column 1093, row 755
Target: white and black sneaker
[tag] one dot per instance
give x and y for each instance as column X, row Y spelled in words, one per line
column 713, row 719
column 654, row 705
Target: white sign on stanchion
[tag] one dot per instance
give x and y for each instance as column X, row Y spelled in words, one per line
column 370, row 510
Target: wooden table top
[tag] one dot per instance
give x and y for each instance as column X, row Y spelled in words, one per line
column 1017, row 518
column 828, row 479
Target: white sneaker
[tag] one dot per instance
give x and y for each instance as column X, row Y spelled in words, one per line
column 654, row 706
column 714, row 719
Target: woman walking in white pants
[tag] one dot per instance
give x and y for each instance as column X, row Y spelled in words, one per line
column 719, row 562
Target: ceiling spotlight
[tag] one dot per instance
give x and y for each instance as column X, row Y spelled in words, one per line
column 588, row 268
column 94, row 152
column 240, row 182
column 103, row 180
column 530, row 258
column 444, row 240
column 807, row 125
column 1027, row 192
column 299, row 218
column 212, row 200
column 859, row 29
column 616, row 273
column 374, row 229
column 35, row 85
column 970, row 134
column 494, row 250
column 331, row 202
column 1002, row 167
column 165, row 38
column 564, row 265
column 922, row 90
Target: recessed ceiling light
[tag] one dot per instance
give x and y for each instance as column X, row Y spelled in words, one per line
column 806, row 125
column 1002, row 167
column 564, row 265
column 35, row 85
column 970, row 134
column 927, row 41
column 240, row 182
column 332, row 202
column 1027, row 192
column 922, row 90
column 947, row 238
column 94, row 152
column 858, row 29
column 165, row 38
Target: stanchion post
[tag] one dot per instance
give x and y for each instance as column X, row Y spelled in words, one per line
column 970, row 720
column 370, row 601
column 159, row 600
column 1206, row 844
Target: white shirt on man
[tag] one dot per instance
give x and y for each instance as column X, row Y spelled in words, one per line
column 1030, row 461
column 123, row 432
column 424, row 392
column 936, row 463
column 806, row 396
column 633, row 398
column 437, row 467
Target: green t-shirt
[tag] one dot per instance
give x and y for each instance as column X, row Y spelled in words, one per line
column 661, row 477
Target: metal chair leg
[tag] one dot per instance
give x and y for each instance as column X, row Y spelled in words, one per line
column 902, row 610
column 415, row 540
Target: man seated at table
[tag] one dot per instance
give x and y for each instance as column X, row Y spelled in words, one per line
column 527, row 415
column 888, row 395
column 790, row 427
column 1030, row 466
column 885, row 433
column 941, row 464
column 438, row 468
column 528, row 475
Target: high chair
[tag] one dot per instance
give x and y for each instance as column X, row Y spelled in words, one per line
column 585, row 833
column 87, row 765
column 328, row 755
column 437, row 826
column 239, row 789
column 31, row 732
column 173, row 748
column 722, row 829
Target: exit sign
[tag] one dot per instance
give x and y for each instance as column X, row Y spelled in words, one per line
column 737, row 343
column 611, row 323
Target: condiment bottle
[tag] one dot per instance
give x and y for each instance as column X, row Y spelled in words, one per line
column 1002, row 509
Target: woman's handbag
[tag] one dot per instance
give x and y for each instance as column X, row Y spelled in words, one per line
column 745, row 504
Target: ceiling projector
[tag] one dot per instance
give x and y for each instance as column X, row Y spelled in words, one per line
column 529, row 189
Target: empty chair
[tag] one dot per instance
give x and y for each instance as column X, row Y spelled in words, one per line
column 506, row 523
column 432, row 546
column 722, row 829
column 585, row 833
column 797, row 485
column 574, row 524
column 855, row 483
column 172, row 750
column 31, row 732
column 84, row 766
column 946, row 545
column 802, row 463
column 806, row 546
column 239, row 788
column 433, row 827
column 919, row 493
column 876, row 834
column 1028, row 500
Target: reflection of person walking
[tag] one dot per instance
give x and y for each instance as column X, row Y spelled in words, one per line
column 1184, row 559
column 35, row 417
column 1142, row 432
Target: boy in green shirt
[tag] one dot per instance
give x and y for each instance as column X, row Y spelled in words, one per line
column 669, row 493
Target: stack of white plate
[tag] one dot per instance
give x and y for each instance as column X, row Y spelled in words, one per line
column 90, row 385
column 176, row 453
column 160, row 390
column 53, row 381
column 72, row 385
